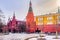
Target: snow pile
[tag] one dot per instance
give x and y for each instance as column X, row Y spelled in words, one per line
column 22, row 36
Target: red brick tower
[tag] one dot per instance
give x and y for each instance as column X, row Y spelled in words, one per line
column 30, row 19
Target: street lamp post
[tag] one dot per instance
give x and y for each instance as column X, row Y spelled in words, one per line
column 56, row 30
column 56, row 21
column 58, row 4
column 58, row 7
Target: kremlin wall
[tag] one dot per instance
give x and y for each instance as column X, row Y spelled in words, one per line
column 46, row 23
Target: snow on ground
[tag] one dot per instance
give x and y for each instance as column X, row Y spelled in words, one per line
column 22, row 36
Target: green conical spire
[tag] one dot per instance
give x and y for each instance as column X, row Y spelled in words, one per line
column 30, row 6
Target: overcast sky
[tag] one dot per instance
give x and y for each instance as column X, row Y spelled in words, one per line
column 20, row 7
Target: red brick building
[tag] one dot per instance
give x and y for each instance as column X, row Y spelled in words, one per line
column 15, row 25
